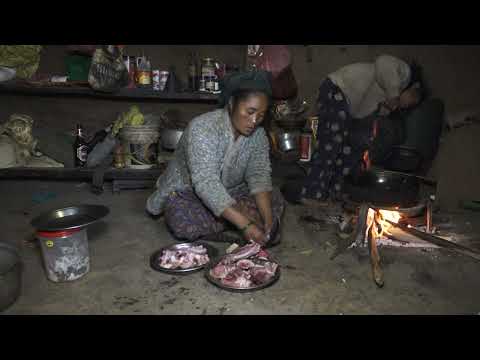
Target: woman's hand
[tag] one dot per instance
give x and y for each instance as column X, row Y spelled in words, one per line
column 252, row 232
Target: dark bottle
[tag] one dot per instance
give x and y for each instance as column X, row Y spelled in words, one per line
column 192, row 73
column 80, row 148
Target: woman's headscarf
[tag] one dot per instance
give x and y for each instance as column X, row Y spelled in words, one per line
column 252, row 80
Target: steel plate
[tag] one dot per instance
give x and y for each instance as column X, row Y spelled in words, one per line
column 218, row 283
column 73, row 217
column 154, row 263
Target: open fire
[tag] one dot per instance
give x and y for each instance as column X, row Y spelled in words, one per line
column 377, row 223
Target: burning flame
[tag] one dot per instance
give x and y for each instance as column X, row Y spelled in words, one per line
column 377, row 222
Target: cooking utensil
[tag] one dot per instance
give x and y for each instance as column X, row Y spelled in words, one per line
column 73, row 217
column 155, row 258
column 383, row 189
column 170, row 138
column 287, row 142
column 219, row 284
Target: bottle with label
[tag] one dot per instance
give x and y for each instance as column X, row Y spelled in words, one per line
column 80, row 148
column 192, row 73
column 144, row 72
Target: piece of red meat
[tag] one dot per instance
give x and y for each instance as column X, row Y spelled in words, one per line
column 260, row 274
column 262, row 254
column 237, row 278
column 245, row 264
column 242, row 253
column 221, row 270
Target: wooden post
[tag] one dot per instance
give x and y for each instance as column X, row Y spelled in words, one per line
column 375, row 260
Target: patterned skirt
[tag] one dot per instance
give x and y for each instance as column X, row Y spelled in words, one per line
column 188, row 219
column 334, row 157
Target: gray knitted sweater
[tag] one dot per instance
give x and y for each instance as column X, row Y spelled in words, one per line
column 218, row 168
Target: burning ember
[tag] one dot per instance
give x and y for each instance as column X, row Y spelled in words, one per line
column 377, row 222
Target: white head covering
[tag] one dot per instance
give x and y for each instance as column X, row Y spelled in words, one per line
column 392, row 74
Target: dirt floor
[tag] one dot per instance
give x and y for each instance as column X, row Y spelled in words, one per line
column 121, row 281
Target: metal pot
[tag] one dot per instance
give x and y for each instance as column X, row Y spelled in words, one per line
column 10, row 275
column 170, row 138
column 288, row 142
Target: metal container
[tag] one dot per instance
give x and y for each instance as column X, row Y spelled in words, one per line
column 154, row 259
column 65, row 254
column 69, row 218
column 219, row 284
column 384, row 189
column 288, row 142
column 170, row 138
column 10, row 275
column 306, row 147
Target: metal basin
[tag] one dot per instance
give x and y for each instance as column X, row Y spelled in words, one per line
column 170, row 138
column 10, row 276
column 73, row 217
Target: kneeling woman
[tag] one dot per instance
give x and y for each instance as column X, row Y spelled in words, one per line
column 221, row 172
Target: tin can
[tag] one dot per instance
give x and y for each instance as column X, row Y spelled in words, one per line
column 312, row 124
column 156, row 80
column 305, row 146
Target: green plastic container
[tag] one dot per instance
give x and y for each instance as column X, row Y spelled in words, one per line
column 78, row 67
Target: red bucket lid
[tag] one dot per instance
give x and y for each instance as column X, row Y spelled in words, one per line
column 57, row 234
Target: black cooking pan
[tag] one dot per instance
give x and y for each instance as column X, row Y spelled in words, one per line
column 387, row 189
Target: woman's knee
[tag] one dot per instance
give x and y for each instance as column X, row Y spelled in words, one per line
column 181, row 226
column 186, row 217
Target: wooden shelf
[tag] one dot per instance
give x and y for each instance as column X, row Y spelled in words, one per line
column 79, row 173
column 24, row 88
